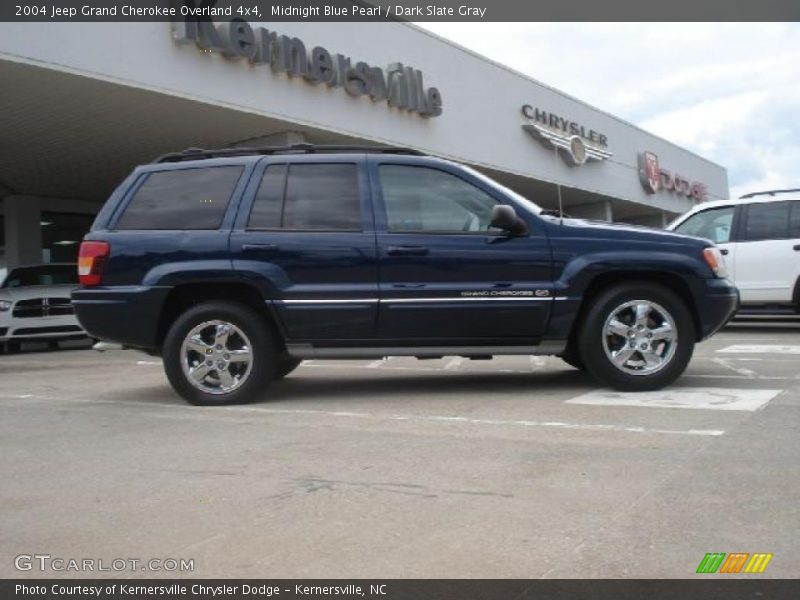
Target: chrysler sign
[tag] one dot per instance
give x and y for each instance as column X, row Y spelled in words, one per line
column 397, row 85
column 576, row 143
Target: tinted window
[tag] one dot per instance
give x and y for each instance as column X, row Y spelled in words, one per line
column 767, row 221
column 424, row 199
column 794, row 220
column 182, row 199
column 313, row 197
column 267, row 207
column 43, row 275
column 713, row 224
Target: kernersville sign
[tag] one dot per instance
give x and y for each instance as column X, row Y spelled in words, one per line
column 399, row 86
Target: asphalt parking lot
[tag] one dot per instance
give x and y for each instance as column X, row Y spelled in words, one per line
column 516, row 467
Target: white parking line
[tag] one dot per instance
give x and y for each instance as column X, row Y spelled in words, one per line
column 474, row 421
column 179, row 411
column 749, row 373
column 760, row 349
column 693, row 398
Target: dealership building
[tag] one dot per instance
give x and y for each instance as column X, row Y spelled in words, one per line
column 83, row 103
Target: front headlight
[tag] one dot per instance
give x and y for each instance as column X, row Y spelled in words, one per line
column 5, row 305
column 714, row 260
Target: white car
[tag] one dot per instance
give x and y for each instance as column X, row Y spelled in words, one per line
column 759, row 237
column 35, row 305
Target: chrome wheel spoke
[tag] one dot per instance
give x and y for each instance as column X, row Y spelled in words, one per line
column 622, row 355
column 222, row 334
column 651, row 359
column 663, row 332
column 197, row 344
column 226, row 380
column 199, row 372
column 617, row 327
column 642, row 313
column 242, row 355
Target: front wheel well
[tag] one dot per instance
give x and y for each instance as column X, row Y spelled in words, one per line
column 184, row 296
column 604, row 281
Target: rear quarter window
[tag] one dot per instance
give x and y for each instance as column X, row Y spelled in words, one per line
column 181, row 199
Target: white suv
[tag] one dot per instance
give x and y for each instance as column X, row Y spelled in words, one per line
column 759, row 236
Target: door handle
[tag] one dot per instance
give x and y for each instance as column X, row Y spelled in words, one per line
column 724, row 251
column 260, row 247
column 406, row 250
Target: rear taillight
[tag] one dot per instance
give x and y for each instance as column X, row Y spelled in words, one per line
column 91, row 260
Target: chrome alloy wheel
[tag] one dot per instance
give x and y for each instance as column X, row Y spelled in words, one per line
column 640, row 337
column 216, row 357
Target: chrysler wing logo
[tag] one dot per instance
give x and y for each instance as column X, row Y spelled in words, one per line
column 573, row 148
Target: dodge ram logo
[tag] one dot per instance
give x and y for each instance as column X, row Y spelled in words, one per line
column 651, row 175
column 654, row 179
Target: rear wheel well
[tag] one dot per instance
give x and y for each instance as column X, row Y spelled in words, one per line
column 185, row 296
column 606, row 280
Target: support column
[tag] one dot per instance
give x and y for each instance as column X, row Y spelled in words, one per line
column 23, row 231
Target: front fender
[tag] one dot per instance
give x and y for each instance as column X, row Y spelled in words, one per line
column 578, row 273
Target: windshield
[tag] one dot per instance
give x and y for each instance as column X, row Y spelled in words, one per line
column 536, row 208
column 42, row 275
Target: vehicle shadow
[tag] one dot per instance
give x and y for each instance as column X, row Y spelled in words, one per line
column 302, row 386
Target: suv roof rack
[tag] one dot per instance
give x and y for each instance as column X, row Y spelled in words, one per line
column 201, row 153
column 768, row 193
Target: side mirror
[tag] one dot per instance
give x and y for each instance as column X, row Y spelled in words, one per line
column 505, row 217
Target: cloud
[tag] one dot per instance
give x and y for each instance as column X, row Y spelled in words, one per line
column 728, row 91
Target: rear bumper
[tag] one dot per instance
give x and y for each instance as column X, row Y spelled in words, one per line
column 125, row 315
column 716, row 306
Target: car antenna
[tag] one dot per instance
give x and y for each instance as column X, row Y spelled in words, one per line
column 558, row 190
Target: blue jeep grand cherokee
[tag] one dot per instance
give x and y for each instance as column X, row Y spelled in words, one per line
column 236, row 264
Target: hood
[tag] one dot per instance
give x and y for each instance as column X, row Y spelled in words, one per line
column 621, row 231
column 37, row 291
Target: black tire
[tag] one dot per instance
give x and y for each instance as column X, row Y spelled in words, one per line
column 263, row 362
column 592, row 339
column 13, row 347
column 285, row 365
column 572, row 357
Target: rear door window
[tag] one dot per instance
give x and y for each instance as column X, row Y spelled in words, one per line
column 182, row 199
column 308, row 197
column 767, row 221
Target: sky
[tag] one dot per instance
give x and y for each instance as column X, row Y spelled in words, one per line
column 728, row 91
